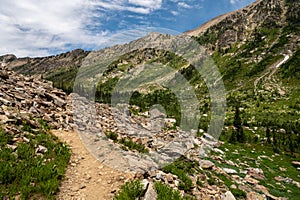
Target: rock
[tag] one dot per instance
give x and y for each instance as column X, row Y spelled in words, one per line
column 250, row 180
column 296, row 163
column 41, row 149
column 286, row 180
column 82, row 186
column 229, row 171
column 150, row 193
column 218, row 151
column 4, row 119
column 260, row 188
column 233, row 186
column 282, row 169
column 158, row 176
column 145, row 184
column 169, row 178
column 228, row 196
column 57, row 100
column 5, row 101
column 26, row 140
column 206, row 164
column 256, row 173
column 156, row 113
column 254, row 196
column 4, row 75
column 176, row 183
column 13, row 147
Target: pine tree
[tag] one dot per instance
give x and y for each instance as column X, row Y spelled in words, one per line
column 237, row 123
column 268, row 135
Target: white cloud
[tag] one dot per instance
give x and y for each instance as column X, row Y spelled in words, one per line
column 184, row 5
column 175, row 13
column 233, row 2
column 37, row 28
column 150, row 4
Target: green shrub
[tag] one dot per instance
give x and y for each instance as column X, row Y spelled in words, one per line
column 25, row 173
column 130, row 191
column 133, row 145
column 180, row 168
column 238, row 193
column 111, row 135
column 165, row 192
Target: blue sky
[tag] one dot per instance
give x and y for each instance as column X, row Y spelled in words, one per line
column 40, row 28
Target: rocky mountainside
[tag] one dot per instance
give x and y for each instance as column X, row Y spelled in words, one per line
column 247, row 42
column 54, row 68
column 242, row 26
column 256, row 50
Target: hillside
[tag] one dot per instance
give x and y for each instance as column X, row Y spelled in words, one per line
column 257, row 156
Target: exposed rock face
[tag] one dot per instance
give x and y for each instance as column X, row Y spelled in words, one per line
column 54, row 68
column 228, row 196
column 242, row 25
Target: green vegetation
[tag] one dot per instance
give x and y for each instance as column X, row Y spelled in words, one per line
column 130, row 190
column 127, row 144
column 269, row 162
column 28, row 174
column 163, row 97
column 291, row 69
column 182, row 167
column 165, row 192
column 63, row 78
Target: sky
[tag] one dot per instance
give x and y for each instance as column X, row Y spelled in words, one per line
column 47, row 27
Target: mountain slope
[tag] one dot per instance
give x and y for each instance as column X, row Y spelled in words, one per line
column 246, row 42
column 257, row 52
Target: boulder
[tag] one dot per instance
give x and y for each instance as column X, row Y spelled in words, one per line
column 206, row 164
column 229, row 171
column 228, row 196
column 4, row 75
column 150, row 193
column 41, row 149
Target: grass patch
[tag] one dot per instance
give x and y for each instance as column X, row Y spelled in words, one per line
column 130, row 190
column 127, row 144
column 165, row 192
column 181, row 168
column 25, row 173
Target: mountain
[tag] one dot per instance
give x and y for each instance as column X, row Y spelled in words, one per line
column 54, row 68
column 257, row 51
column 253, row 38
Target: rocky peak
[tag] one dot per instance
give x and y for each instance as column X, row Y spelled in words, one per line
column 42, row 65
column 239, row 26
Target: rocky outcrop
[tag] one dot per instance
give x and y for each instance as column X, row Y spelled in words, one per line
column 243, row 25
column 25, row 100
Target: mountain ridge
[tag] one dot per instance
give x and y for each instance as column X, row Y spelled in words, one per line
column 257, row 52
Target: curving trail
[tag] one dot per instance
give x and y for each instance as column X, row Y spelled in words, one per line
column 86, row 178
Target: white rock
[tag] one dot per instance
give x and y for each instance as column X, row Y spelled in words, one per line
column 228, row 196
column 145, row 184
column 229, row 171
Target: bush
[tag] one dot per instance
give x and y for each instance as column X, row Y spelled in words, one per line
column 165, row 192
column 130, row 191
column 111, row 135
column 133, row 145
column 25, row 173
column 238, row 193
column 180, row 168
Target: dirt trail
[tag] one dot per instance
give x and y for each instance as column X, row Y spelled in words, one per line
column 86, row 177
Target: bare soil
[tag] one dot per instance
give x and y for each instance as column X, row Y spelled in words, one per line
column 86, row 177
